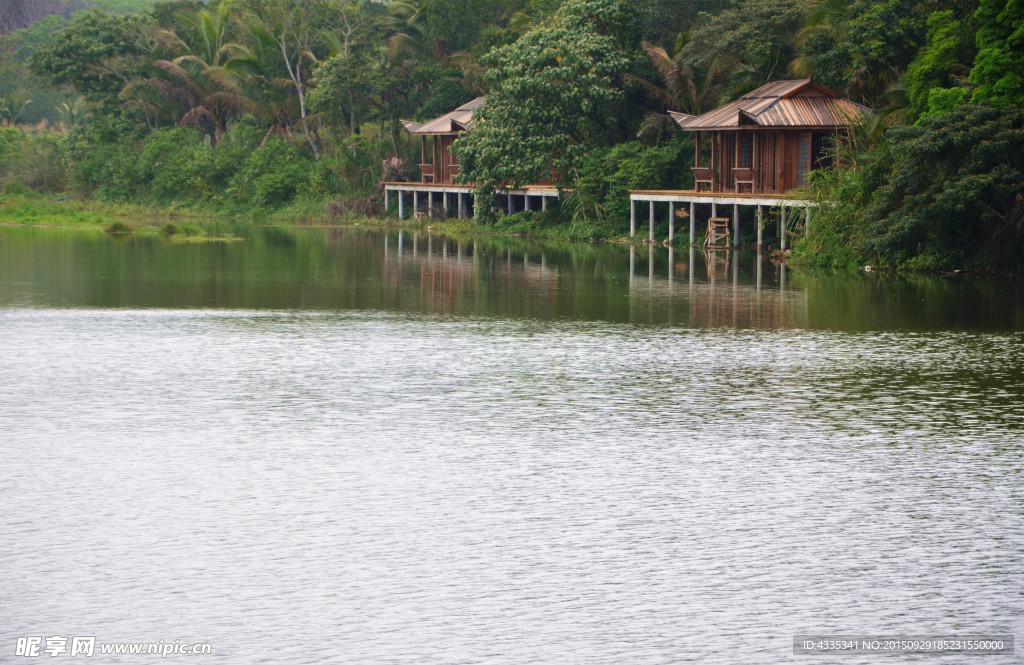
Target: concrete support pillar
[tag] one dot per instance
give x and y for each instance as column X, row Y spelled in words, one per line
column 782, row 229
column 807, row 219
column 430, row 204
column 760, row 228
column 444, row 201
column 632, row 218
column 461, row 211
column 387, row 198
column 693, row 223
column 508, row 204
column 401, row 204
column 415, row 202
column 735, row 224
column 671, row 227
column 543, row 203
column 650, row 219
column 714, row 210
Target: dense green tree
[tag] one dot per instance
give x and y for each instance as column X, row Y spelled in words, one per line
column 756, row 35
column 999, row 67
column 553, row 94
column 97, row 54
column 940, row 70
column 955, row 191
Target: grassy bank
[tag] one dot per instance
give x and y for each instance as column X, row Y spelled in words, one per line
column 74, row 213
column 57, row 211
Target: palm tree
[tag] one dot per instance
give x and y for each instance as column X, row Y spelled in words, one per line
column 410, row 39
column 203, row 82
column 687, row 88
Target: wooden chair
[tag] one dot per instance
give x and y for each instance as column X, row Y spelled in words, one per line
column 428, row 172
column 718, row 231
column 701, row 176
column 744, row 178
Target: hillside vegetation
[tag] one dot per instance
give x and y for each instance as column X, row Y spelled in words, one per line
column 248, row 105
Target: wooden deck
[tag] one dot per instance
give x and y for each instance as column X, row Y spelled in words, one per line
column 720, row 198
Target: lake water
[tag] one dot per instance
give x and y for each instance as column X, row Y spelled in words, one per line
column 324, row 445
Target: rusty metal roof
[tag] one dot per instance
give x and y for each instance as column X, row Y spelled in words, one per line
column 452, row 122
column 801, row 103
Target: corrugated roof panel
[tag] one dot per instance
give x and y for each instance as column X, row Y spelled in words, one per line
column 449, row 123
column 799, row 103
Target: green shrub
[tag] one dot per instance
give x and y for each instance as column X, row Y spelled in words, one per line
column 118, row 228
column 273, row 176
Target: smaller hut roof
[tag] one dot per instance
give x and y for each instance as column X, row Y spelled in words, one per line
column 452, row 122
column 785, row 104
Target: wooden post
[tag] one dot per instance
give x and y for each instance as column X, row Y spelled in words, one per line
column 714, row 170
column 696, row 149
column 671, row 225
column 693, row 222
column 632, row 218
column 755, row 163
column 736, row 222
column 650, row 219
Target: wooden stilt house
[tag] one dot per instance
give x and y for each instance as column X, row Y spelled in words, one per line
column 437, row 163
column 767, row 141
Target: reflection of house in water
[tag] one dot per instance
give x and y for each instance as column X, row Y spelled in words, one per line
column 441, row 275
column 712, row 289
column 450, row 270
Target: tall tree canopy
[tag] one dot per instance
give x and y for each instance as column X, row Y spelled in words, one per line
column 552, row 93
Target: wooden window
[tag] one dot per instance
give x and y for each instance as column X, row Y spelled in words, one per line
column 803, row 159
column 745, row 144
